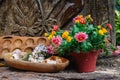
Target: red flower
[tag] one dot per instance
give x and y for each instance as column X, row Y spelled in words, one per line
column 55, row 28
column 79, row 19
column 82, row 20
column 109, row 26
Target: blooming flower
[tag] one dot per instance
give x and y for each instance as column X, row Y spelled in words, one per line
column 46, row 34
column 81, row 36
column 109, row 26
column 76, row 21
column 50, row 49
column 50, row 37
column 82, row 21
column 79, row 19
column 78, row 39
column 101, row 32
column 55, row 28
column 57, row 40
column 80, row 16
column 104, row 30
column 65, row 34
column 53, row 33
column 69, row 39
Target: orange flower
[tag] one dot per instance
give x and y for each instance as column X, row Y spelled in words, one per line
column 69, row 39
column 82, row 20
column 80, row 16
column 65, row 34
column 79, row 19
column 104, row 30
column 53, row 33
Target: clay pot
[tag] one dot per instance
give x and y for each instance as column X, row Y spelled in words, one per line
column 86, row 62
column 38, row 67
column 25, row 44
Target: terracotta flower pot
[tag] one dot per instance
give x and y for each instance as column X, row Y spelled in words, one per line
column 86, row 62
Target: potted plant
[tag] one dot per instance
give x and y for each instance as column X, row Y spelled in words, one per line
column 84, row 41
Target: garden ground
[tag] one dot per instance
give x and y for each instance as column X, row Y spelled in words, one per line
column 107, row 69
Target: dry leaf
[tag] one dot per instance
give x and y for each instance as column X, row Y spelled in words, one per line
column 1, row 64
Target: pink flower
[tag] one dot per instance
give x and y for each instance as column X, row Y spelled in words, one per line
column 55, row 28
column 109, row 26
column 117, row 51
column 57, row 40
column 50, row 49
column 81, row 36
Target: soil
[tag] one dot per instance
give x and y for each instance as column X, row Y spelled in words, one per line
column 108, row 68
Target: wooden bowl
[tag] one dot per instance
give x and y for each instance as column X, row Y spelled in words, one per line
column 38, row 67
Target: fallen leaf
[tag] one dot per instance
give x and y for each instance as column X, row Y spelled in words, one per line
column 1, row 64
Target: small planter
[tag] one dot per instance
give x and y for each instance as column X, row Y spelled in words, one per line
column 86, row 62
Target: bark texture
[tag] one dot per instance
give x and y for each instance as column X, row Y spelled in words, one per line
column 34, row 17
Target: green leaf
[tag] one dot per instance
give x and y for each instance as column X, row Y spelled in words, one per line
column 75, row 29
column 77, row 50
column 118, row 2
column 90, row 27
column 86, row 46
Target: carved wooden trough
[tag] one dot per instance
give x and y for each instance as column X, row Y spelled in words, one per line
column 25, row 44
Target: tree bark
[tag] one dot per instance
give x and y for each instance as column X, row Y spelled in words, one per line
column 111, row 16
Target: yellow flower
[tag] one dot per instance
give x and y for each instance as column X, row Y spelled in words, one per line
column 65, row 34
column 99, row 26
column 50, row 37
column 76, row 21
column 80, row 16
column 53, row 33
column 104, row 30
column 101, row 32
column 69, row 39
column 46, row 34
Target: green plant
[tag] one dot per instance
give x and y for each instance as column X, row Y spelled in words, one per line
column 117, row 5
column 117, row 22
column 83, row 36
